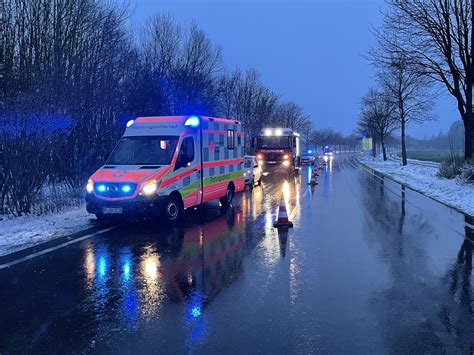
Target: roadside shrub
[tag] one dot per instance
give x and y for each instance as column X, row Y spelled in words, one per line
column 28, row 142
column 467, row 173
column 450, row 168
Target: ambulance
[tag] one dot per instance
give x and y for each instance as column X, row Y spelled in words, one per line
column 164, row 165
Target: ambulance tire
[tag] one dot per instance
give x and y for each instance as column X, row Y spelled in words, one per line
column 174, row 210
column 229, row 195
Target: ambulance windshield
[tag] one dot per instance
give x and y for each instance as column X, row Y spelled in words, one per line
column 144, row 150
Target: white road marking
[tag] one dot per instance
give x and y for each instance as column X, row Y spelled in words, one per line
column 59, row 246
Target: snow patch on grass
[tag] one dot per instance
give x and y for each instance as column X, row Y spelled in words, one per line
column 26, row 231
column 424, row 180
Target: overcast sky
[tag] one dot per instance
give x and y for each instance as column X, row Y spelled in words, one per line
column 308, row 51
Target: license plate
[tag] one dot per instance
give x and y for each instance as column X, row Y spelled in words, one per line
column 272, row 162
column 112, row 210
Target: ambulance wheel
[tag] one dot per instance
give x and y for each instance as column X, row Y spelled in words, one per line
column 174, row 209
column 229, row 195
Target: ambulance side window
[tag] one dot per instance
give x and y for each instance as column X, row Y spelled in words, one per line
column 230, row 139
column 186, row 153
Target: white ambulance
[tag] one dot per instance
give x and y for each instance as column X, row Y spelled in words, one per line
column 164, row 165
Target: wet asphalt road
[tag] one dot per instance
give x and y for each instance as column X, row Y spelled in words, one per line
column 368, row 267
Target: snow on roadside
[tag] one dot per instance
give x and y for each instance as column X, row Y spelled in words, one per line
column 424, row 180
column 26, row 231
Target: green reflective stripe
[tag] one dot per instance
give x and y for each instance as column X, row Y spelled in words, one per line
column 211, row 180
column 189, row 189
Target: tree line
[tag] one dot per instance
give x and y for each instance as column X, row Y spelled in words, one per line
column 72, row 75
column 424, row 48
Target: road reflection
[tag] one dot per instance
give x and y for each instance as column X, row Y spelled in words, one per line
column 188, row 266
column 428, row 305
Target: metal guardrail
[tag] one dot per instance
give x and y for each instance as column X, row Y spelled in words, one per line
column 430, row 164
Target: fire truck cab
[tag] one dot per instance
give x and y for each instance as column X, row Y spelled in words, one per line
column 164, row 165
column 278, row 147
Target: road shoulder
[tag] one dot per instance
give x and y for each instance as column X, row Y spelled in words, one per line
column 423, row 179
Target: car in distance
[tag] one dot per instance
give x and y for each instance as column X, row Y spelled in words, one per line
column 252, row 171
column 308, row 157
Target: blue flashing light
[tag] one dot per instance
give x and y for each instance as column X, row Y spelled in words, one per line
column 326, row 147
column 310, row 151
column 126, row 188
column 101, row 188
column 192, row 121
column 129, row 123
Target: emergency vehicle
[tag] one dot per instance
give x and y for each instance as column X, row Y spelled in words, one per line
column 164, row 165
column 278, row 147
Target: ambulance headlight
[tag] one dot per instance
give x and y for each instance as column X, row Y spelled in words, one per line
column 150, row 187
column 90, row 186
column 286, row 157
column 260, row 156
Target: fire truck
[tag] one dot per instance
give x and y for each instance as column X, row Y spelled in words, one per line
column 278, row 147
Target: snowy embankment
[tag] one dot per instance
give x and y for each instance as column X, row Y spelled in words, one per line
column 423, row 179
column 26, row 231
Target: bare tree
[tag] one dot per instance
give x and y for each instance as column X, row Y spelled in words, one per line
column 244, row 97
column 438, row 37
column 378, row 115
column 291, row 115
column 408, row 90
column 185, row 66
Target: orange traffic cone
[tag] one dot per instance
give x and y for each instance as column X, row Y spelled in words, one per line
column 282, row 219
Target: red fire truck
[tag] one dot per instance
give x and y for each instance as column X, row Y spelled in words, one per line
column 278, row 147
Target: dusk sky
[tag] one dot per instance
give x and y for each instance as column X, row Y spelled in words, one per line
column 307, row 51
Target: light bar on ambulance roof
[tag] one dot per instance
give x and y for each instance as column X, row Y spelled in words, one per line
column 192, row 121
column 129, row 123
